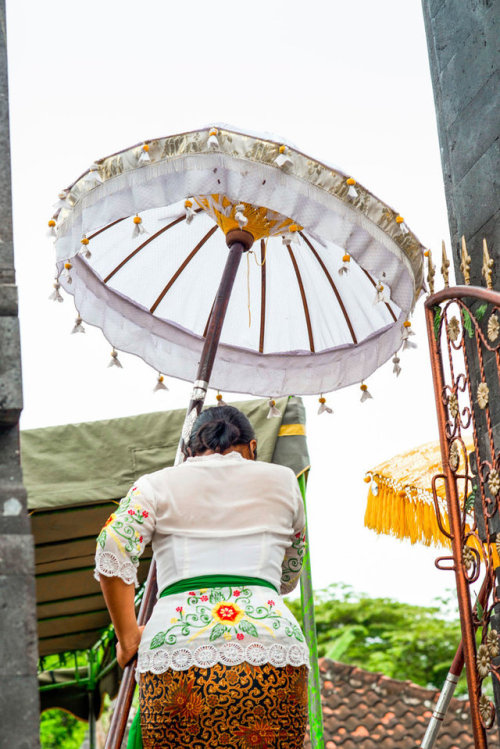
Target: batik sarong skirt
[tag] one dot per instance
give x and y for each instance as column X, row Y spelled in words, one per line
column 244, row 706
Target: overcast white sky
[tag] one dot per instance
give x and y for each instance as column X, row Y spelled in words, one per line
column 347, row 82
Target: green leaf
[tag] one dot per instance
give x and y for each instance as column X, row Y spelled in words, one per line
column 468, row 323
column 437, row 321
column 102, row 538
column 218, row 631
column 249, row 628
column 469, row 502
column 481, row 311
column 216, row 596
column 157, row 640
column 479, row 610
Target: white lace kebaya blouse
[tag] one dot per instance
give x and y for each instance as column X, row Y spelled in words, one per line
column 213, row 515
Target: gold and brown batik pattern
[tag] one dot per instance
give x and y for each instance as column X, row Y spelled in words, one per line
column 235, row 707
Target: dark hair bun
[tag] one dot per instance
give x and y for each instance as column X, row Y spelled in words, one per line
column 219, row 428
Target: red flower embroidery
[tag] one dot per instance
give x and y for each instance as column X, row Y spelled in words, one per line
column 140, row 539
column 131, row 512
column 297, row 535
column 236, row 593
column 270, row 603
column 203, row 598
column 179, row 609
column 191, row 593
column 240, row 636
column 145, row 513
column 227, row 613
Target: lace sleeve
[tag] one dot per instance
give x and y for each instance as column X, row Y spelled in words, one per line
column 124, row 536
column 294, row 555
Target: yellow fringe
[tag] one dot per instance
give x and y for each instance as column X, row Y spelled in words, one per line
column 393, row 513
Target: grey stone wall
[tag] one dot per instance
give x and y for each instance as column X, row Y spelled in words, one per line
column 19, row 703
column 463, row 38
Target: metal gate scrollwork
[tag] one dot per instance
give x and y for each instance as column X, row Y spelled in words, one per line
column 463, row 328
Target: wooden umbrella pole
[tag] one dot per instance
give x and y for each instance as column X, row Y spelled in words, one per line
column 238, row 242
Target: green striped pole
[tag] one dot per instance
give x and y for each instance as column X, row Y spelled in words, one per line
column 307, row 601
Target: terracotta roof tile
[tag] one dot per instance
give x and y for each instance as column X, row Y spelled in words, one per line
column 364, row 710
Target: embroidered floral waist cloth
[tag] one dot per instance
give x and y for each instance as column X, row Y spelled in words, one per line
column 226, row 624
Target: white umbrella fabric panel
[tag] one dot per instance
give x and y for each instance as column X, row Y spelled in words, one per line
column 314, row 330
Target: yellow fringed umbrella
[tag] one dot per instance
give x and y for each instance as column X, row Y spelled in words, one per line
column 400, row 501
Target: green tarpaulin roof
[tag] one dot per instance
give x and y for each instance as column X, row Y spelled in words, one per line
column 74, row 475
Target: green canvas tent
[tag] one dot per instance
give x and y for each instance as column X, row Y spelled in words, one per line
column 75, row 474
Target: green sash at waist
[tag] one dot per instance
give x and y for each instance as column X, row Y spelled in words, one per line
column 183, row 586
column 214, row 581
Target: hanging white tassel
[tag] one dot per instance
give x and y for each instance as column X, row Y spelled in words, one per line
column 190, row 213
column 380, row 295
column 400, row 220
column 344, row 268
column 212, row 138
column 67, row 274
column 323, row 408
column 56, row 296
column 85, row 247
column 93, row 174
column 365, row 393
column 61, row 202
column 239, row 216
column 405, row 336
column 160, row 383
column 273, row 411
column 138, row 227
column 292, row 235
column 144, row 157
column 219, row 400
column 396, row 368
column 51, row 231
column 78, row 327
column 352, row 192
column 115, row 362
column 283, row 159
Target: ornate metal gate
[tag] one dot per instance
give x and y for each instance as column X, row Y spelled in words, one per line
column 463, row 327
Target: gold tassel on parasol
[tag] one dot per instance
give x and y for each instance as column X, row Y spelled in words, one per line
column 400, row 501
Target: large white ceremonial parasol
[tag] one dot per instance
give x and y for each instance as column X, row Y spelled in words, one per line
column 150, row 241
column 141, row 244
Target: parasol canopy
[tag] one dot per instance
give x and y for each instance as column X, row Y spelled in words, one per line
column 400, row 499
column 321, row 304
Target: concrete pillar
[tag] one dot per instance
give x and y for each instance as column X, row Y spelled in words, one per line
column 19, row 705
column 463, row 40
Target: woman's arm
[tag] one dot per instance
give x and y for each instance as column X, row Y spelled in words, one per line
column 119, row 597
column 119, row 546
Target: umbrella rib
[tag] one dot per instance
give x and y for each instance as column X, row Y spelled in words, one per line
column 262, row 294
column 372, row 281
column 183, row 266
column 104, row 228
column 332, row 284
column 141, row 246
column 304, row 299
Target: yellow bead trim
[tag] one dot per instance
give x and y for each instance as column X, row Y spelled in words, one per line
column 68, row 266
column 84, row 240
column 363, row 387
column 52, row 222
column 282, row 149
column 137, row 220
column 188, row 204
column 407, row 324
column 367, row 479
column 213, row 131
column 322, row 400
column 145, row 147
column 351, row 181
column 426, row 253
column 346, row 259
column 399, row 219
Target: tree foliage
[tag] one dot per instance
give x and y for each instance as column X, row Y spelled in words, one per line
column 404, row 642
column 61, row 730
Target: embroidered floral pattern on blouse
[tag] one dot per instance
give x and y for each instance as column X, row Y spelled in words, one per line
column 124, row 526
column 293, row 561
column 220, row 616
